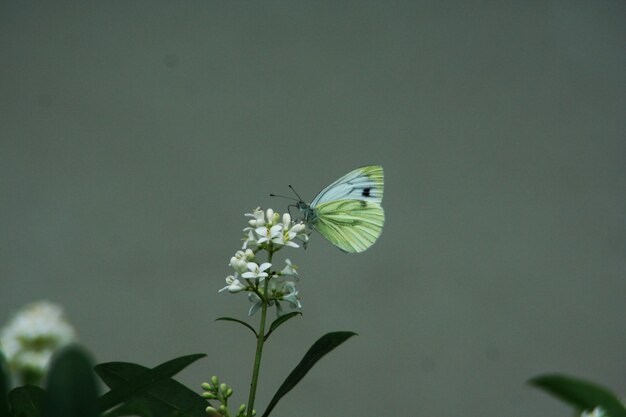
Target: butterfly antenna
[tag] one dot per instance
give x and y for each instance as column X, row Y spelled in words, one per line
column 295, row 192
column 283, row 196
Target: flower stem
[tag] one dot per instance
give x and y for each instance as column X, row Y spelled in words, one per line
column 259, row 344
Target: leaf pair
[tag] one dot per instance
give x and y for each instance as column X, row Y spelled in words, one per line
column 320, row 348
column 71, row 390
column 275, row 324
column 149, row 392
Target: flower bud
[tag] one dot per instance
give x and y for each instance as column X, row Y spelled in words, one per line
column 212, row 412
column 238, row 264
column 223, row 389
column 209, row 395
column 206, row 386
column 236, row 287
column 258, row 221
column 215, row 381
column 249, row 255
column 286, row 220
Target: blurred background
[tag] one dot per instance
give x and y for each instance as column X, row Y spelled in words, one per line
column 134, row 135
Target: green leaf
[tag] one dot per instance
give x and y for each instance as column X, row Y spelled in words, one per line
column 280, row 321
column 5, row 384
column 237, row 321
column 128, row 380
column 320, row 348
column 582, row 394
column 138, row 406
column 71, row 388
column 162, row 398
column 26, row 401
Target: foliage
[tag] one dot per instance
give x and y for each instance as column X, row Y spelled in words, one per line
column 71, row 388
column 583, row 395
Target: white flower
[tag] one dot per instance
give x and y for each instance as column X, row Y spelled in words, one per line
column 290, row 270
column 292, row 296
column 256, row 303
column 256, row 271
column 33, row 361
column 596, row 412
column 272, row 218
column 250, row 240
column 304, row 237
column 287, row 239
column 266, row 234
column 239, row 262
column 234, row 285
column 257, row 215
column 298, row 228
column 33, row 335
column 286, row 220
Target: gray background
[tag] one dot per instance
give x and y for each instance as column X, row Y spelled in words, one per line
column 134, row 135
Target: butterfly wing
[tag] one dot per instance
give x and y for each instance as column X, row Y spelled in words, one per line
column 351, row 225
column 365, row 183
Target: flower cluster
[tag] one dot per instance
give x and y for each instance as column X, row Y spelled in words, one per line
column 267, row 231
column 215, row 390
column 32, row 336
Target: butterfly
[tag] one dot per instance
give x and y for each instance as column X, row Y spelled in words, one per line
column 348, row 212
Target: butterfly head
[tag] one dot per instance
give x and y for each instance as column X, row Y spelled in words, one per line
column 308, row 213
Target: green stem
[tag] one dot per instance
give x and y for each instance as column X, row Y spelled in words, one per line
column 259, row 345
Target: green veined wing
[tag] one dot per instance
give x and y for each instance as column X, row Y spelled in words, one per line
column 351, row 225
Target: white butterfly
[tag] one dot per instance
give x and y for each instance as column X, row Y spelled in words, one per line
column 348, row 212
